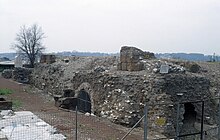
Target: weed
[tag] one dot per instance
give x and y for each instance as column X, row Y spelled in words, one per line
column 160, row 121
column 5, row 91
column 16, row 104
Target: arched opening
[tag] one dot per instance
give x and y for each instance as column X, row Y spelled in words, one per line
column 2, row 99
column 84, row 102
column 189, row 119
column 190, row 113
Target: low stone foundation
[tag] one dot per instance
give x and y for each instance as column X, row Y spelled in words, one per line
column 5, row 105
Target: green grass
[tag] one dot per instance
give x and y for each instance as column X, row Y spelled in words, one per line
column 5, row 91
column 16, row 104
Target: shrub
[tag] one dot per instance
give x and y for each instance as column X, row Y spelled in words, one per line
column 5, row 91
column 192, row 67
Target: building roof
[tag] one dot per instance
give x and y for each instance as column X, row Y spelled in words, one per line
column 7, row 63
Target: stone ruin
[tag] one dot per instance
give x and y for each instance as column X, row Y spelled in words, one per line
column 118, row 88
column 4, row 104
column 47, row 58
column 130, row 59
column 19, row 74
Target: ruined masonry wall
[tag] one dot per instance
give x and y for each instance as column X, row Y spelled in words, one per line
column 120, row 96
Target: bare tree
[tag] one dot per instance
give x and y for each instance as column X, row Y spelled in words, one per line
column 29, row 42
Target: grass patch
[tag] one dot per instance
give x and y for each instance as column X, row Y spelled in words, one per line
column 16, row 104
column 5, row 91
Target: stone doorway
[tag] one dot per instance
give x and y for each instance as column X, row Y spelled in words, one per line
column 190, row 113
column 84, row 102
column 189, row 121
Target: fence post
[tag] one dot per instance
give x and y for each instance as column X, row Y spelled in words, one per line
column 177, row 121
column 141, row 119
column 145, row 122
column 218, row 119
column 202, row 120
column 76, row 122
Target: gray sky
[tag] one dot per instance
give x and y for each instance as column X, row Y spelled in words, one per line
column 106, row 25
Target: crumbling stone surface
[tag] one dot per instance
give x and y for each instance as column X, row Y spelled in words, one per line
column 22, row 75
column 130, row 59
column 120, row 96
column 51, row 75
column 19, row 74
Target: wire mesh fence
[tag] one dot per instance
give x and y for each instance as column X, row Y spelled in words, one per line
column 187, row 120
column 183, row 121
column 92, row 127
column 61, row 125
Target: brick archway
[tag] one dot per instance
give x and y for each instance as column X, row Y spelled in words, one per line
column 84, row 102
column 85, row 92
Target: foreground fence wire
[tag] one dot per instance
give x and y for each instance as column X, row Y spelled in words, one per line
column 96, row 128
column 59, row 126
column 185, row 123
column 80, row 125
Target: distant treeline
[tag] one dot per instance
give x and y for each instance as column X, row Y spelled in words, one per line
column 8, row 56
column 75, row 53
column 11, row 56
column 189, row 56
column 183, row 56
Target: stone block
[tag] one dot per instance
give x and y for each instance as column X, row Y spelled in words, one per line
column 5, row 105
column 49, row 59
column 119, row 67
column 66, row 103
column 135, row 66
column 164, row 69
column 133, row 59
column 124, row 66
column 123, row 58
column 130, row 58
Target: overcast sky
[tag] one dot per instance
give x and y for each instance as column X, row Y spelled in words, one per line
column 191, row 26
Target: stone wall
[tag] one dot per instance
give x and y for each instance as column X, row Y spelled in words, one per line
column 19, row 74
column 120, row 95
column 22, row 75
column 118, row 88
column 7, row 73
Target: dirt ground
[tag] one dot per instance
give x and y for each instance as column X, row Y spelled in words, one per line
column 26, row 98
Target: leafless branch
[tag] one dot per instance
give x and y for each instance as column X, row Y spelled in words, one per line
column 29, row 42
